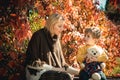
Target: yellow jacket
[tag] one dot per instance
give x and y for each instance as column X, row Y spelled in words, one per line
column 82, row 51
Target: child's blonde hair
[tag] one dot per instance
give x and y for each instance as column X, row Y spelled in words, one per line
column 95, row 31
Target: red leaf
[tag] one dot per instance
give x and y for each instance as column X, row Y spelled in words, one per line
column 1, row 56
column 3, row 71
column 14, row 77
column 11, row 64
column 13, row 55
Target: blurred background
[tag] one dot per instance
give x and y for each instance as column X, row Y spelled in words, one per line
column 19, row 19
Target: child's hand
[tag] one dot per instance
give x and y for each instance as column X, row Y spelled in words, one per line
column 90, row 59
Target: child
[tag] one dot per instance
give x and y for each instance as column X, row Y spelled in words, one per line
column 92, row 35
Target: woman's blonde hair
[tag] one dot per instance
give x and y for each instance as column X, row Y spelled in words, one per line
column 52, row 20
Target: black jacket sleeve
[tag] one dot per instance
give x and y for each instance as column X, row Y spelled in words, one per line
column 33, row 49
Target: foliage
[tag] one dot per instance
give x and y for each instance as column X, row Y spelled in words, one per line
column 14, row 35
column 116, row 70
column 113, row 11
column 35, row 21
column 20, row 21
column 11, row 55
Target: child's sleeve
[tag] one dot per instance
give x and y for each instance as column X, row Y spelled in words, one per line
column 80, row 54
column 103, row 57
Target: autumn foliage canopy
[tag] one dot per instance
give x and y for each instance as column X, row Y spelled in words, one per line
column 19, row 19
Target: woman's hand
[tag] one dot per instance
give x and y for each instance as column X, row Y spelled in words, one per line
column 76, row 65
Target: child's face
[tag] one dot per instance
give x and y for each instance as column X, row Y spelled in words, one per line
column 89, row 39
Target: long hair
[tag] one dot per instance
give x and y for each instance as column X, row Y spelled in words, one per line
column 52, row 20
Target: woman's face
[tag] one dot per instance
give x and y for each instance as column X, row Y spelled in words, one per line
column 58, row 28
column 89, row 39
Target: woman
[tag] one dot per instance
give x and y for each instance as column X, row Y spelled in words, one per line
column 45, row 46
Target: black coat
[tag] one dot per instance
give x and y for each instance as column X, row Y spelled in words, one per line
column 46, row 48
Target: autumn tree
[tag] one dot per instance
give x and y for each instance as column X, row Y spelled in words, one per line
column 19, row 19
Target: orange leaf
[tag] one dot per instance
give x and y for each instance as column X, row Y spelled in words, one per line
column 13, row 15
